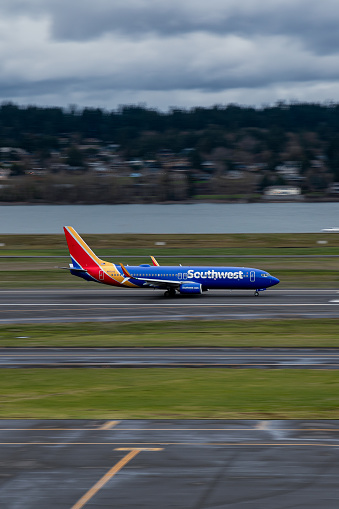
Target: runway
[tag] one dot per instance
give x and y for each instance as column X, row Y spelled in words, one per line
column 182, row 464
column 238, row 358
column 106, row 304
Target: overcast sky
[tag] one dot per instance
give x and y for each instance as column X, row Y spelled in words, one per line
column 178, row 53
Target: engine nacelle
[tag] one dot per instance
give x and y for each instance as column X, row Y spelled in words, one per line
column 192, row 288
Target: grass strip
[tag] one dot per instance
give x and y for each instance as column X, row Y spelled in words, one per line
column 128, row 243
column 236, row 333
column 168, row 394
column 292, row 272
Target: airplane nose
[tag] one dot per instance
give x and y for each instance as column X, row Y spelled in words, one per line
column 274, row 281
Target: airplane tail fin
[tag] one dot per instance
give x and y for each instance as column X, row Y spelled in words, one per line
column 82, row 255
column 155, row 263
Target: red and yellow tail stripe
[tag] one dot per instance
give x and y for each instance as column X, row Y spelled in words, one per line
column 85, row 258
column 155, row 263
column 79, row 250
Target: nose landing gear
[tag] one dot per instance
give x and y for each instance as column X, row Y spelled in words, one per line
column 256, row 293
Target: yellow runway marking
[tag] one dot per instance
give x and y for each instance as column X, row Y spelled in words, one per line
column 224, row 429
column 114, row 470
column 257, row 427
column 111, row 473
column 134, row 445
column 109, row 425
column 139, row 449
column 49, row 429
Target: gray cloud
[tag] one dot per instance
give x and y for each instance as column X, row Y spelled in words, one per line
column 312, row 22
column 53, row 50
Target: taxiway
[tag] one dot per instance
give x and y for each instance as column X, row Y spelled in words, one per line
column 182, row 464
column 262, row 358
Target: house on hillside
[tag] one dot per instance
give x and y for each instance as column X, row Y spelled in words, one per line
column 282, row 193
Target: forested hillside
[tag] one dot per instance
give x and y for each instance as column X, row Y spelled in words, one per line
column 137, row 154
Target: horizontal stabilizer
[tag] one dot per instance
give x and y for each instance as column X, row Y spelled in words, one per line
column 72, row 268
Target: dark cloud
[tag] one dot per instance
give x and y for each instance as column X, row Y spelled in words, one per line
column 312, row 22
column 179, row 71
column 68, row 49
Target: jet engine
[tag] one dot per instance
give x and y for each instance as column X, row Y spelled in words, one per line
column 192, row 288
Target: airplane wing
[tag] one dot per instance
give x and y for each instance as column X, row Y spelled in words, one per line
column 157, row 283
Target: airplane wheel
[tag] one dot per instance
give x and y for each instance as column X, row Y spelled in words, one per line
column 256, row 294
column 170, row 293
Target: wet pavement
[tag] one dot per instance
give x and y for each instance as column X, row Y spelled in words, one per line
column 167, row 463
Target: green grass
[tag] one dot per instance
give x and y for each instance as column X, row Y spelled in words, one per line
column 44, row 278
column 109, row 243
column 168, row 393
column 293, row 272
column 171, row 393
column 255, row 333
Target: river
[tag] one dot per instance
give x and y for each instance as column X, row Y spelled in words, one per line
column 176, row 218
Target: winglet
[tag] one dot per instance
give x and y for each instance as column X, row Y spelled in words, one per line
column 125, row 271
column 154, row 261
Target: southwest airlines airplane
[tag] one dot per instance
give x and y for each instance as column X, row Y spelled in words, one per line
column 185, row 280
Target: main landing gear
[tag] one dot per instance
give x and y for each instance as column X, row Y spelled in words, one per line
column 256, row 293
column 170, row 293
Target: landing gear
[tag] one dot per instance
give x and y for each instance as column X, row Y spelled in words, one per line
column 170, row 293
column 256, row 293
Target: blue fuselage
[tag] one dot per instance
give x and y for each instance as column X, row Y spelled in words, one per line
column 208, row 277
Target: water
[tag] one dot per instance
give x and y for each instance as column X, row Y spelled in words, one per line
column 184, row 218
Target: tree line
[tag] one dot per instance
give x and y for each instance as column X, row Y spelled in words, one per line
column 126, row 122
column 228, row 136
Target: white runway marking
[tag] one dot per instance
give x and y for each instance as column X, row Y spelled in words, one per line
column 163, row 305
column 115, row 291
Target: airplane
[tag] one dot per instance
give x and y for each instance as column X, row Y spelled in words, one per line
column 182, row 279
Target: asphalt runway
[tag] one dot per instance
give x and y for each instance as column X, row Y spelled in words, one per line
column 106, row 304
column 240, row 358
column 165, row 464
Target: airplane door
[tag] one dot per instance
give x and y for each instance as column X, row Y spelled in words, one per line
column 182, row 275
column 252, row 276
column 101, row 275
